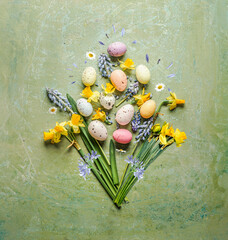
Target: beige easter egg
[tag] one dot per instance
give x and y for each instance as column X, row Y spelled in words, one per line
column 107, row 101
column 98, row 130
column 142, row 74
column 148, row 108
column 89, row 76
column 125, row 114
column 84, row 107
column 119, row 80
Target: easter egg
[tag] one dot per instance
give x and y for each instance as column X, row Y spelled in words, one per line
column 89, row 76
column 98, row 130
column 119, row 80
column 107, row 101
column 148, row 108
column 85, row 108
column 125, row 114
column 142, row 74
column 122, row 136
column 117, row 49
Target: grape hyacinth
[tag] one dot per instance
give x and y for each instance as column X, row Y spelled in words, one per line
column 144, row 129
column 136, row 121
column 58, row 99
column 130, row 92
column 105, row 65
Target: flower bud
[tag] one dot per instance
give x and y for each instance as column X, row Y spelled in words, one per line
column 156, row 128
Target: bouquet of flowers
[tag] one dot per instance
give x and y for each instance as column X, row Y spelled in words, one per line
column 152, row 138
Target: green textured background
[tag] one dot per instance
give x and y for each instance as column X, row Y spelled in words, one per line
column 183, row 194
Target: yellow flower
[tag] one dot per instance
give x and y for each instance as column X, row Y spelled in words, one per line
column 170, row 132
column 99, row 115
column 55, row 134
column 141, row 98
column 174, row 100
column 76, row 122
column 92, row 96
column 109, row 88
column 179, row 137
column 162, row 136
column 128, row 64
column 166, row 131
column 48, row 135
column 156, row 128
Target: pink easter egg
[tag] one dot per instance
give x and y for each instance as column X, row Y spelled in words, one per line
column 122, row 136
column 125, row 114
column 117, row 49
column 119, row 80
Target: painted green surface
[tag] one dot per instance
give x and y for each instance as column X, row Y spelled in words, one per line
column 184, row 194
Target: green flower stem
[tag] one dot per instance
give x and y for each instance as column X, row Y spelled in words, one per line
column 94, row 171
column 107, row 179
column 107, row 189
column 113, row 162
column 132, row 183
column 127, row 166
column 121, row 190
column 127, row 188
column 124, row 99
column 98, row 149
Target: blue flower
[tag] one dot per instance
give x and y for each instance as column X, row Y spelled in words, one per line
column 139, row 173
column 131, row 160
column 94, row 155
column 84, row 169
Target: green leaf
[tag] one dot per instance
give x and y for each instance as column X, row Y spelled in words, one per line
column 72, row 102
column 112, row 155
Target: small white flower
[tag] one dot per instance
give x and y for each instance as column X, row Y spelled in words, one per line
column 120, row 150
column 52, row 110
column 91, row 55
column 159, row 87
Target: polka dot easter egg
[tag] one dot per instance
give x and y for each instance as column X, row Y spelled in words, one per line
column 89, row 76
column 85, row 108
column 98, row 130
column 117, row 49
column 125, row 114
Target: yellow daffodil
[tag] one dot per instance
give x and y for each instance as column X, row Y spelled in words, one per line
column 166, row 131
column 90, row 95
column 179, row 137
column 109, row 88
column 48, row 135
column 76, row 122
column 174, row 100
column 141, row 98
column 99, row 115
column 170, row 132
column 162, row 136
column 55, row 134
column 128, row 64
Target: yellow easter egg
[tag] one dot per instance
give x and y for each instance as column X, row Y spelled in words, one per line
column 148, row 108
column 142, row 74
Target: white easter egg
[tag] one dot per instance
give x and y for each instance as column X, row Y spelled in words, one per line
column 142, row 74
column 89, row 76
column 98, row 130
column 125, row 114
column 85, row 108
column 107, row 101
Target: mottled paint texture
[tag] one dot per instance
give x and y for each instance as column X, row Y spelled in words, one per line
column 184, row 194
